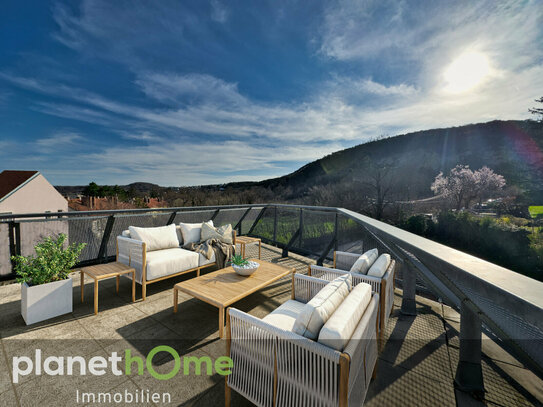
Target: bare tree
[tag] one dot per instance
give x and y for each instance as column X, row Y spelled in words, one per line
column 538, row 111
column 462, row 186
column 379, row 180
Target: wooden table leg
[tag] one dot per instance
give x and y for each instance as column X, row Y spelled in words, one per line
column 174, row 299
column 133, row 286
column 221, row 321
column 117, row 283
column 82, row 286
column 95, row 297
column 259, row 248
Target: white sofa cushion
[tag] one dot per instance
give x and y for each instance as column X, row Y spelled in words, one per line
column 162, row 237
column 380, row 266
column 285, row 315
column 365, row 261
column 126, row 233
column 166, row 262
column 339, row 328
column 192, row 231
column 317, row 311
column 222, row 234
column 203, row 260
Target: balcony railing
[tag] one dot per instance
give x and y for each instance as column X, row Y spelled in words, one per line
column 506, row 305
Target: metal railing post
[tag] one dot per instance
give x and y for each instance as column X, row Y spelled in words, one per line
column 469, row 374
column 275, row 225
column 172, row 218
column 215, row 214
column 102, row 253
column 409, row 285
column 335, row 232
column 301, row 227
column 14, row 232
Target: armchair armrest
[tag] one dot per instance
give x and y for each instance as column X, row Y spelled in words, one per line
column 306, row 287
column 132, row 252
column 325, row 273
column 345, row 260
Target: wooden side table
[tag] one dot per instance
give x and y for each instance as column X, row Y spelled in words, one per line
column 245, row 240
column 104, row 271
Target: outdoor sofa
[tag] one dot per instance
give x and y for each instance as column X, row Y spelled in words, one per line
column 382, row 283
column 157, row 253
column 317, row 349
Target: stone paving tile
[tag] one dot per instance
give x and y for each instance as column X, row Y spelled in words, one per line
column 5, row 378
column 182, row 388
column 397, row 386
column 416, row 366
column 7, row 399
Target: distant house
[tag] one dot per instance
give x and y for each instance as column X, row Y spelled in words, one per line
column 28, row 192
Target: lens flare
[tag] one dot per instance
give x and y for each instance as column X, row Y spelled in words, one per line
column 466, row 72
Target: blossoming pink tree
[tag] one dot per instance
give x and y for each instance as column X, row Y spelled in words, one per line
column 462, row 186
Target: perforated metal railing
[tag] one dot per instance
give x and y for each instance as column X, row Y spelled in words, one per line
column 508, row 304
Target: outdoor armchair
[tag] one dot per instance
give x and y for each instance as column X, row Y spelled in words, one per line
column 277, row 367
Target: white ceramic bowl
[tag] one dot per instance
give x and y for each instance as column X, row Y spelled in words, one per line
column 246, row 270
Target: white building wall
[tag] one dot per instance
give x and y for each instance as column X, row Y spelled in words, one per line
column 37, row 195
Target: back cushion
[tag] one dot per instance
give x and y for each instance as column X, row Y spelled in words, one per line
column 365, row 261
column 339, row 328
column 163, row 237
column 192, row 231
column 317, row 311
column 222, row 234
column 379, row 268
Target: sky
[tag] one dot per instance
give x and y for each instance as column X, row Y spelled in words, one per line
column 207, row 92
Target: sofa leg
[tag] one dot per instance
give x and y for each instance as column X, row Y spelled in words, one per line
column 197, row 272
column 227, row 393
column 144, row 291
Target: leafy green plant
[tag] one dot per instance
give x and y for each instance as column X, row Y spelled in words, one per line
column 239, row 260
column 51, row 263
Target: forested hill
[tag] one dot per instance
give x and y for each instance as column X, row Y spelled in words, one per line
column 513, row 149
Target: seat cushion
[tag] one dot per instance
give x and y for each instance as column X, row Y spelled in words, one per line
column 285, row 315
column 339, row 328
column 317, row 311
column 192, row 232
column 166, row 262
column 365, row 261
column 162, row 237
column 203, row 260
column 379, row 268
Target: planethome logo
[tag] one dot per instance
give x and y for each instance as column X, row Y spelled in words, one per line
column 100, row 365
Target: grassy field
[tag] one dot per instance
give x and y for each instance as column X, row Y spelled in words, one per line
column 536, row 211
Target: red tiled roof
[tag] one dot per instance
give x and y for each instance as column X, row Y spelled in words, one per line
column 10, row 180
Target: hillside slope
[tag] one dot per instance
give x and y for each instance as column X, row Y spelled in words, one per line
column 511, row 148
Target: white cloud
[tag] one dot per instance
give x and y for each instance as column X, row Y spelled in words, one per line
column 59, row 140
column 219, row 12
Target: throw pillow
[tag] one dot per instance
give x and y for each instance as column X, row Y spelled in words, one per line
column 365, row 261
column 162, row 237
column 192, row 231
column 337, row 331
column 380, row 266
column 222, row 234
column 317, row 311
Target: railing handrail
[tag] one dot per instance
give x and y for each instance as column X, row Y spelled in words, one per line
column 519, row 285
column 11, row 216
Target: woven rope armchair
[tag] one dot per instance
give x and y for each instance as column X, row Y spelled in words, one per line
column 343, row 261
column 274, row 367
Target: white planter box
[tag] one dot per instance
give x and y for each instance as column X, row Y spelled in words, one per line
column 44, row 301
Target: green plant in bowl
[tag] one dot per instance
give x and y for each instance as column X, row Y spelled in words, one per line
column 239, row 260
column 53, row 261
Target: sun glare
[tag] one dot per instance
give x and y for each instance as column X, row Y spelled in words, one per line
column 466, row 72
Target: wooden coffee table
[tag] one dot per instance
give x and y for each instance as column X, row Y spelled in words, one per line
column 104, row 271
column 245, row 240
column 224, row 287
